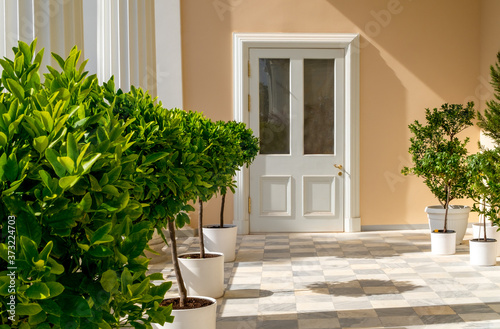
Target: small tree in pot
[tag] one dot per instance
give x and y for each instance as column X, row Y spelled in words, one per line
column 240, row 148
column 439, row 156
column 484, row 178
column 171, row 171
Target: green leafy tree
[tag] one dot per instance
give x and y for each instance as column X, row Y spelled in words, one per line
column 172, row 167
column 484, row 189
column 490, row 121
column 438, row 155
column 65, row 165
column 245, row 147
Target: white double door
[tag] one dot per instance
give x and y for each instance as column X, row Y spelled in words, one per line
column 296, row 108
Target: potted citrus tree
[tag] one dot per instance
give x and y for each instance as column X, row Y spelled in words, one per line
column 77, row 245
column 240, row 148
column 167, row 149
column 484, row 178
column 204, row 271
column 439, row 157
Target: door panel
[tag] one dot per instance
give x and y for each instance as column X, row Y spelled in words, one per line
column 297, row 110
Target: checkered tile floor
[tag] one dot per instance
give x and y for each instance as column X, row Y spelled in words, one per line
column 353, row 280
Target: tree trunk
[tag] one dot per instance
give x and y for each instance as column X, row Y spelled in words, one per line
column 175, row 262
column 446, row 209
column 484, row 221
column 200, row 229
column 222, row 210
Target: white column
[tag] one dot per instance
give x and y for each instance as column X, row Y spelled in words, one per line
column 90, row 36
column 134, row 43
column 150, row 81
column 124, row 49
column 10, row 20
column 26, row 21
column 168, row 52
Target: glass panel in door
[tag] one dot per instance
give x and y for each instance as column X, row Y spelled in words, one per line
column 274, row 105
column 319, row 98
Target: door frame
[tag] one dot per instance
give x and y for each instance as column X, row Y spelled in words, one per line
column 242, row 42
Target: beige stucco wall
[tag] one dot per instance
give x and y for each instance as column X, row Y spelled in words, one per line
column 414, row 54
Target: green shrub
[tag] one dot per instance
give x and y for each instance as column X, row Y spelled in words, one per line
column 65, row 168
column 484, row 184
column 438, row 155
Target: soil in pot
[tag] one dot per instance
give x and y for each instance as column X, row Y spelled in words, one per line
column 197, row 256
column 191, row 302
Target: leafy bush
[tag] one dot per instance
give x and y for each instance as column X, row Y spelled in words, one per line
column 438, row 155
column 65, row 168
column 484, row 179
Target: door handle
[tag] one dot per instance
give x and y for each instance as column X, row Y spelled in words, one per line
column 338, row 166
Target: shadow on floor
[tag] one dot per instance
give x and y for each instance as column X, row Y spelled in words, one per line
column 458, row 316
column 358, row 288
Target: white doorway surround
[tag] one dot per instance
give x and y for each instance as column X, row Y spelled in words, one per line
column 349, row 43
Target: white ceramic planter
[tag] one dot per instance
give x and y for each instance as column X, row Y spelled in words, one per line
column 221, row 240
column 204, row 317
column 205, row 276
column 483, row 253
column 458, row 218
column 491, row 233
column 443, row 243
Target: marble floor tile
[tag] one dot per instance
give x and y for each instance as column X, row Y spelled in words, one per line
column 351, row 280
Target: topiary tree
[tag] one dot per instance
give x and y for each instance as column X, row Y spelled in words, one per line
column 490, row 121
column 65, row 165
column 438, row 155
column 245, row 149
column 172, row 163
column 484, row 184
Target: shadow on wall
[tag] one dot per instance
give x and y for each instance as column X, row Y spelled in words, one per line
column 429, row 39
column 413, row 55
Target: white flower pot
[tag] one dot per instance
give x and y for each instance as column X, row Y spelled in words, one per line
column 221, row 240
column 203, row 317
column 443, row 243
column 458, row 218
column 205, row 276
column 483, row 253
column 491, row 233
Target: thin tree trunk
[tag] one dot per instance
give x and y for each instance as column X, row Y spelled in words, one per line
column 200, row 229
column 175, row 262
column 222, row 210
column 484, row 221
column 446, row 209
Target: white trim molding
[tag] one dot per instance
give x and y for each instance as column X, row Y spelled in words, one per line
column 242, row 42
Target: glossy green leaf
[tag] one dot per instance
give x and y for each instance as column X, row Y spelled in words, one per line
column 87, row 165
column 55, row 289
column 28, row 309
column 38, row 318
column 68, row 181
column 52, row 156
column 67, row 163
column 38, row 290
column 40, row 143
column 100, row 233
column 109, row 281
column 86, row 202
column 11, row 168
column 100, row 251
column 50, row 307
column 72, row 150
column 126, row 279
column 110, row 189
column 3, row 139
